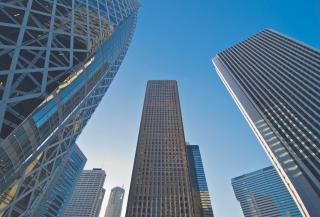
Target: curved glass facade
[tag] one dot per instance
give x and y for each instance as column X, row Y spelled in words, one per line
column 95, row 34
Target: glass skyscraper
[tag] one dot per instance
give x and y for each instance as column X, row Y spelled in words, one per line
column 160, row 184
column 114, row 206
column 88, row 194
column 275, row 82
column 58, row 59
column 52, row 200
column 200, row 192
column 55, row 200
column 262, row 193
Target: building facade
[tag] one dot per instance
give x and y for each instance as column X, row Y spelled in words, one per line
column 160, row 185
column 115, row 202
column 200, row 191
column 58, row 60
column 274, row 80
column 54, row 201
column 103, row 192
column 263, row 194
column 88, row 194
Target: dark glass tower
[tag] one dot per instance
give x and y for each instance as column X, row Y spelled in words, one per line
column 58, row 58
column 200, row 192
column 160, row 185
column 275, row 82
column 262, row 193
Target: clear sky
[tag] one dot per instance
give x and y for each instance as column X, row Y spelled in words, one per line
column 176, row 39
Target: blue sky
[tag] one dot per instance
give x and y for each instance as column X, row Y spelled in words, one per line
column 176, row 39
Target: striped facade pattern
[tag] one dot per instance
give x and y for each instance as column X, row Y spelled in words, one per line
column 275, row 81
column 160, row 185
column 263, row 194
column 87, row 196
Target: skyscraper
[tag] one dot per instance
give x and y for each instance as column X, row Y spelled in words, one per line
column 262, row 193
column 200, row 192
column 58, row 59
column 88, row 194
column 54, row 201
column 160, row 185
column 275, row 82
column 114, row 206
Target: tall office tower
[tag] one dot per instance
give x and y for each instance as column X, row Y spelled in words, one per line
column 88, row 195
column 54, row 201
column 275, row 82
column 160, row 185
column 58, row 59
column 200, row 192
column 114, row 206
column 262, row 193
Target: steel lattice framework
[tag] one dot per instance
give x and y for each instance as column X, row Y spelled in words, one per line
column 45, row 48
column 41, row 42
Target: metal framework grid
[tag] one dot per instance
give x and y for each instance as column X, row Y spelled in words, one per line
column 44, row 41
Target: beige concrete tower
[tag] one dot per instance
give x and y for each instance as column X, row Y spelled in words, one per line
column 160, row 185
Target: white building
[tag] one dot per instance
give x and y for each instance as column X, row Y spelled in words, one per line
column 88, row 194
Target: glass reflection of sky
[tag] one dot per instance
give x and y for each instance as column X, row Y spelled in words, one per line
column 106, row 54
